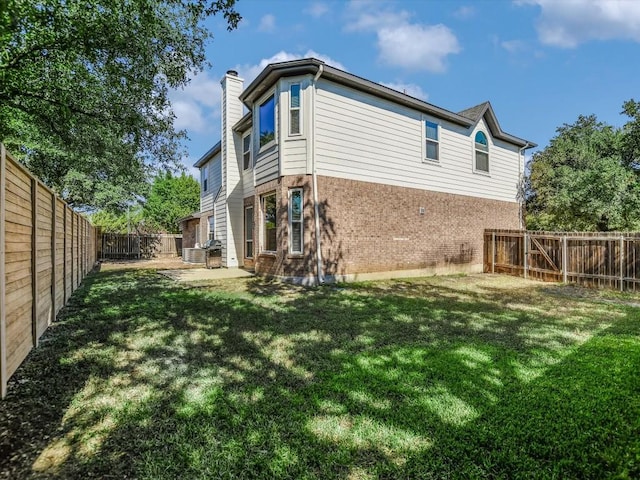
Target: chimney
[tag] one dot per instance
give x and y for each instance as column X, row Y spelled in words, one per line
column 231, row 193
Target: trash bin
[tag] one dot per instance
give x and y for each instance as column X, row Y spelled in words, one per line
column 213, row 256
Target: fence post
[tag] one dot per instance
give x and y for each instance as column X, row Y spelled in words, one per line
column 34, row 261
column 54, row 226
column 525, row 247
column 565, row 263
column 621, row 263
column 493, row 252
column 3, row 344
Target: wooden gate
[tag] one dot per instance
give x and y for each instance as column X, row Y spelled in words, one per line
column 601, row 259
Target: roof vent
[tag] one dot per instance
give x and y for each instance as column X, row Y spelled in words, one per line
column 233, row 73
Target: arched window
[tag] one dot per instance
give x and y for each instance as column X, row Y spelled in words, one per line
column 482, row 152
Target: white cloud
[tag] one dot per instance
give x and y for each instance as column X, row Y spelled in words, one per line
column 267, row 23
column 197, row 105
column 409, row 88
column 513, row 46
column 464, row 12
column 249, row 72
column 317, row 9
column 401, row 43
column 569, row 23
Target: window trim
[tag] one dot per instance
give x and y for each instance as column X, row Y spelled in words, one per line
column 211, row 235
column 263, row 230
column 425, row 140
column 247, row 239
column 299, row 109
column 250, row 151
column 291, row 221
column 483, row 150
column 263, row 100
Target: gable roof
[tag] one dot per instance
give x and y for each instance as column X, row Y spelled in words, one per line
column 209, row 155
column 467, row 118
column 485, row 110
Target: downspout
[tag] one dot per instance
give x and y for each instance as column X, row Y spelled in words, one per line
column 314, row 177
column 520, row 181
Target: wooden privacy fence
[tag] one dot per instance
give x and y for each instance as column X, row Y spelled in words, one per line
column 46, row 249
column 602, row 259
column 118, row 245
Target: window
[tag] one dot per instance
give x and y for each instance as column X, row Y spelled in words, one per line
column 267, row 121
column 294, row 109
column 296, row 209
column 246, row 152
column 212, row 227
column 248, row 232
column 432, row 142
column 269, row 218
column 204, row 180
column 482, row 153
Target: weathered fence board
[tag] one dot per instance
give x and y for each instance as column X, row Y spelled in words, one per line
column 601, row 259
column 45, row 250
column 121, row 246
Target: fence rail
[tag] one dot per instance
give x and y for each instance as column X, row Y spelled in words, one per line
column 118, row 246
column 601, row 259
column 46, row 249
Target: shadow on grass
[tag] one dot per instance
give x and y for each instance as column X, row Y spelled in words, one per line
column 410, row 379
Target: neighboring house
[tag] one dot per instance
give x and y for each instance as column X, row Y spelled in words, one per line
column 331, row 176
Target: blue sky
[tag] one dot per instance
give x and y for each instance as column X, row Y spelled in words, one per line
column 540, row 63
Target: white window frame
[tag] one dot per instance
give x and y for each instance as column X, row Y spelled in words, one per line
column 204, row 178
column 211, row 235
column 262, row 101
column 425, row 140
column 248, row 240
column 244, row 152
column 298, row 108
column 263, row 229
column 475, row 153
column 291, row 221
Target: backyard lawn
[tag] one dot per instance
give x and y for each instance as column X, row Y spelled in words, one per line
column 442, row 377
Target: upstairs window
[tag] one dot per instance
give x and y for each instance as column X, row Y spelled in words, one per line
column 432, row 147
column 246, row 152
column 204, row 180
column 296, row 208
column 482, row 153
column 267, row 121
column 294, row 109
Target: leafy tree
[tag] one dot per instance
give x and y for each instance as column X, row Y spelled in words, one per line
column 581, row 181
column 84, row 88
column 170, row 199
column 130, row 221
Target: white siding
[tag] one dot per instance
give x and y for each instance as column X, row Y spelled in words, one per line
column 361, row 137
column 267, row 167
column 215, row 180
column 293, row 159
column 231, row 144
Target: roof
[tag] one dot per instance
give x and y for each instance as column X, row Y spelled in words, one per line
column 209, row 155
column 467, row 118
column 193, row 216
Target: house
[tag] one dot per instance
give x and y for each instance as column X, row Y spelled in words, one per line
column 330, row 176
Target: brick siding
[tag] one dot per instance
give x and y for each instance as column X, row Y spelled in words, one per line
column 368, row 227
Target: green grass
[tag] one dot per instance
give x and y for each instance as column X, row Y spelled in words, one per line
column 445, row 377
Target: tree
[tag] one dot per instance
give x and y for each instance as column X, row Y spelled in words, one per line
column 170, row 199
column 130, row 221
column 581, row 181
column 84, row 88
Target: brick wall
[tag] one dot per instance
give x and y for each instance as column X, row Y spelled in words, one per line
column 369, row 227
column 189, row 232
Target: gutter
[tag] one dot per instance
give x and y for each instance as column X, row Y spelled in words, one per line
column 314, row 177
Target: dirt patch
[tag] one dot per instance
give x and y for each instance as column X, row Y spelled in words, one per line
column 167, row 263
